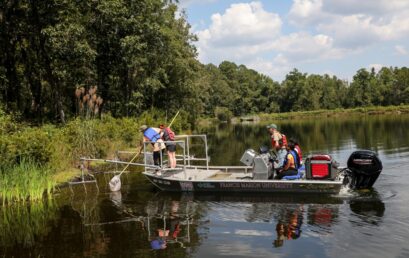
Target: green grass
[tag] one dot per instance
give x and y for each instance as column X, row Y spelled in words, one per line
column 336, row 112
column 26, row 181
column 34, row 159
column 373, row 110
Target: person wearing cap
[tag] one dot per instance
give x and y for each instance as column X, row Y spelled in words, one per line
column 278, row 143
column 151, row 134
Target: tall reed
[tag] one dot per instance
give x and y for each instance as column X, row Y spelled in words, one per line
column 25, row 181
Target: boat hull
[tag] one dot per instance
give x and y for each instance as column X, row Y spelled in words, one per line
column 268, row 186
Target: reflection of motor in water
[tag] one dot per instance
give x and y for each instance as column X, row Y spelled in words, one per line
column 368, row 206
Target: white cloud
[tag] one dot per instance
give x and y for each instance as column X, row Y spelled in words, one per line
column 351, row 32
column 293, row 50
column 369, row 7
column 302, row 46
column 248, row 34
column 354, row 24
column 401, row 50
column 245, row 25
column 246, row 31
column 306, row 12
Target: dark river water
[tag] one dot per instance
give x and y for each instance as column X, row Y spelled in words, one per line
column 141, row 222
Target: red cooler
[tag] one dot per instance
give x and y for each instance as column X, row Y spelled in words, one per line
column 320, row 166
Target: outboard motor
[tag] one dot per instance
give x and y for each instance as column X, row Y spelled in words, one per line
column 364, row 168
column 262, row 167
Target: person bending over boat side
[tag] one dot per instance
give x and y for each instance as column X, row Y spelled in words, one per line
column 151, row 134
column 278, row 143
column 291, row 163
column 169, row 136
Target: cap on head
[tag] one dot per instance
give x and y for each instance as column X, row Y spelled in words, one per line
column 272, row 126
column 143, row 128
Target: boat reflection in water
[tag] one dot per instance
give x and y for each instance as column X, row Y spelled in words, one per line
column 287, row 212
column 320, row 218
column 168, row 223
column 290, row 226
column 186, row 224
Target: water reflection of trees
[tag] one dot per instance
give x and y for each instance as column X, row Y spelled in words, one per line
column 114, row 224
column 328, row 134
column 128, row 227
column 22, row 225
column 288, row 213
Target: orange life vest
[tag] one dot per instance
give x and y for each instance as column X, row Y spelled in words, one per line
column 282, row 142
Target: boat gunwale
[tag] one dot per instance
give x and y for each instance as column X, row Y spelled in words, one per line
column 306, row 181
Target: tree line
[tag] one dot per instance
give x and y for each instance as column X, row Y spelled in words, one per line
column 140, row 55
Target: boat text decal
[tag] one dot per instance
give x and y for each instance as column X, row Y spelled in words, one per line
column 255, row 185
column 186, row 186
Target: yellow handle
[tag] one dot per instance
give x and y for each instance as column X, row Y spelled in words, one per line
column 137, row 154
column 174, row 118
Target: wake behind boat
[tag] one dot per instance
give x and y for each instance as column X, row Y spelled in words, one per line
column 320, row 174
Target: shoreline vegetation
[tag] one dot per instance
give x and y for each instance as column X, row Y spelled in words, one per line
column 142, row 59
column 266, row 118
column 35, row 160
column 319, row 113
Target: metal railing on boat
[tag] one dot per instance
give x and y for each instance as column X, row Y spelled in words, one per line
column 183, row 141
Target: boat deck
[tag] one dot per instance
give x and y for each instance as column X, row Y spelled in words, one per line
column 200, row 174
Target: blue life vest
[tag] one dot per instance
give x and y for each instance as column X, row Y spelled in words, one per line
column 295, row 156
column 300, row 174
column 151, row 134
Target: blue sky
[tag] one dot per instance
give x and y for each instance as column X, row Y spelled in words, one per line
column 336, row 37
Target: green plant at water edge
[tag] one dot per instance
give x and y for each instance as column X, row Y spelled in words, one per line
column 25, row 181
column 223, row 114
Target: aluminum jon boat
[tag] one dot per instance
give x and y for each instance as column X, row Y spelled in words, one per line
column 319, row 174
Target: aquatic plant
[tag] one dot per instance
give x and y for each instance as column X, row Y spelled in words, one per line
column 25, row 181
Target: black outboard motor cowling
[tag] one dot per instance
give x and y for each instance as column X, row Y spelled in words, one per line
column 364, row 168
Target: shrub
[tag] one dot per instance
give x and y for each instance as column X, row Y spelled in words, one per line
column 223, row 114
column 32, row 143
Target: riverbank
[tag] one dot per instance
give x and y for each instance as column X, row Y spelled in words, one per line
column 321, row 113
column 51, row 153
column 36, row 159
